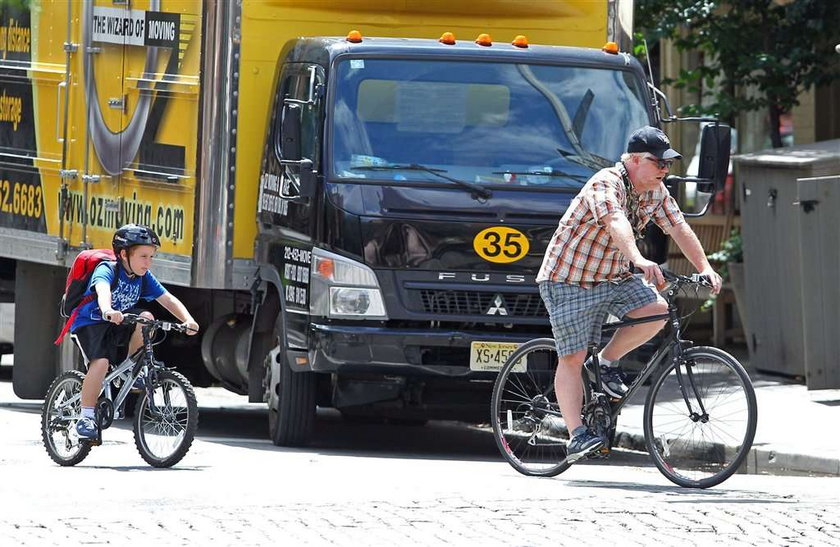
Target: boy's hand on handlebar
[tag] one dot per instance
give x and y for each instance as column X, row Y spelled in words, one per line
column 651, row 272
column 190, row 327
column 114, row 316
column 713, row 278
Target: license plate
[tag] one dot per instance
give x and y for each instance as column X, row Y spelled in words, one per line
column 490, row 356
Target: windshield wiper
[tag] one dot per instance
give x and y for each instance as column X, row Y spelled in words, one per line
column 553, row 173
column 590, row 160
column 476, row 190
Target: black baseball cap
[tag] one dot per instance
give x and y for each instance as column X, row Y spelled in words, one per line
column 653, row 141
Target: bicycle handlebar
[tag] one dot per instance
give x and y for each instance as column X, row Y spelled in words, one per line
column 671, row 277
column 130, row 318
column 694, row 279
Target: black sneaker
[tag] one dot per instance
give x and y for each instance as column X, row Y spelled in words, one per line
column 583, row 443
column 612, row 379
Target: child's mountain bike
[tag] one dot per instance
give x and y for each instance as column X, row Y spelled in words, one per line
column 166, row 412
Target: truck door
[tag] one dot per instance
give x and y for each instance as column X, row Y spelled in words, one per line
column 300, row 87
column 132, row 56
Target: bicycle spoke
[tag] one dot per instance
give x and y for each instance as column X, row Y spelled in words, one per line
column 527, row 425
column 62, row 407
column 703, row 447
column 166, row 421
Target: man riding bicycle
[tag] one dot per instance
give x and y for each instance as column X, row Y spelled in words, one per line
column 97, row 328
column 586, row 274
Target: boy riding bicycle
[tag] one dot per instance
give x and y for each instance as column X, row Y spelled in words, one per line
column 97, row 327
column 585, row 273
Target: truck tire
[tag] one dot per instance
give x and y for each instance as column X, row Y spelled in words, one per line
column 291, row 403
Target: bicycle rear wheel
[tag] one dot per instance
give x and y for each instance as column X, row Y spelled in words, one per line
column 59, row 417
column 699, row 447
column 165, row 425
column 529, row 430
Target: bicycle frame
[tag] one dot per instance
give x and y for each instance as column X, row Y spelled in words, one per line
column 122, row 372
column 672, row 345
column 133, row 363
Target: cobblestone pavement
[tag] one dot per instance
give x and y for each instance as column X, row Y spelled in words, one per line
column 244, row 491
column 672, row 520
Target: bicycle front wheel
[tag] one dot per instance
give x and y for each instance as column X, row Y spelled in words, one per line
column 700, row 418
column 62, row 409
column 529, row 430
column 165, row 423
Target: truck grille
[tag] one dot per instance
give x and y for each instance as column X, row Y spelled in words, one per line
column 458, row 302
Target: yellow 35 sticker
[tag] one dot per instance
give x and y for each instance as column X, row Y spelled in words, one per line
column 501, row 244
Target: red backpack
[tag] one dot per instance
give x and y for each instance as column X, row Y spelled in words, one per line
column 77, row 284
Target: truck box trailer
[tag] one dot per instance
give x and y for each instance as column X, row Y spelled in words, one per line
column 355, row 219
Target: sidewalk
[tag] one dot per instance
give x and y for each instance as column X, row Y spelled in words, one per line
column 797, row 430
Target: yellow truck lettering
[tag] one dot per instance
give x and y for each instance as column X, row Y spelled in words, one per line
column 11, row 109
column 19, row 198
column 14, row 38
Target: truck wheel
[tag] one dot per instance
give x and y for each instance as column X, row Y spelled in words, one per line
column 291, row 402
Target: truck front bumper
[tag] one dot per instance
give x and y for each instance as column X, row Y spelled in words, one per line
column 403, row 352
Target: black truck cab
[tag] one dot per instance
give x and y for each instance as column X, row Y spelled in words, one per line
column 408, row 191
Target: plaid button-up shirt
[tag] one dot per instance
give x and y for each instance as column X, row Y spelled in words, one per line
column 582, row 252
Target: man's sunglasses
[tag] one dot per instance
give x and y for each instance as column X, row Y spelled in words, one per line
column 662, row 164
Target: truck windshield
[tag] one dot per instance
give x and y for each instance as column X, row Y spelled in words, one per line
column 487, row 123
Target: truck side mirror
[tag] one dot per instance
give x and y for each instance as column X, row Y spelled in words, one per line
column 302, row 178
column 715, row 143
column 290, row 129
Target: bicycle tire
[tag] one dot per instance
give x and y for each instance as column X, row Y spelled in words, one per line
column 530, row 440
column 165, row 430
column 697, row 451
column 58, row 422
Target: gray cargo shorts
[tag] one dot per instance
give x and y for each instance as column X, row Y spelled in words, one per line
column 577, row 314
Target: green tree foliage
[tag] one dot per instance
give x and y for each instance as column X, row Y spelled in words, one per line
column 18, row 5
column 781, row 47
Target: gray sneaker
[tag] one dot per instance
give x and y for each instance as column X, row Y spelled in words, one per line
column 86, row 428
column 583, row 443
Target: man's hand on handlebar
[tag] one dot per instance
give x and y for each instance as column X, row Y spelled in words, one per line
column 713, row 278
column 651, row 272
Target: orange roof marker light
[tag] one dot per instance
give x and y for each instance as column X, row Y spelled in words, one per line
column 484, row 40
column 354, row 36
column 447, row 38
column 610, row 47
column 520, row 41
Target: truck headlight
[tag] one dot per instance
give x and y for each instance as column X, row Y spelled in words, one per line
column 344, row 288
column 347, row 301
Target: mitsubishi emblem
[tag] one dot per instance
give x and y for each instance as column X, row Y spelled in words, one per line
column 498, row 307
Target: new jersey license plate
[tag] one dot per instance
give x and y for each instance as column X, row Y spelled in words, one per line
column 490, row 356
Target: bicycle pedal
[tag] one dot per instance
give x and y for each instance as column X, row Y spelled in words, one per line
column 600, row 454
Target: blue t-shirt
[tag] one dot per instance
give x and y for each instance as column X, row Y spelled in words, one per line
column 124, row 296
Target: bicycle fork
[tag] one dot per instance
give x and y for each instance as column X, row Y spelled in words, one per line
column 688, row 377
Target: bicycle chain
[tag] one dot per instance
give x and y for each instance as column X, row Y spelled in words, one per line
column 597, row 417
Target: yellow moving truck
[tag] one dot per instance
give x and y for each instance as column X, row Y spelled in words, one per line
column 354, row 219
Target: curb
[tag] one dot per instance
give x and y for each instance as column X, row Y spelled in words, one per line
column 759, row 461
